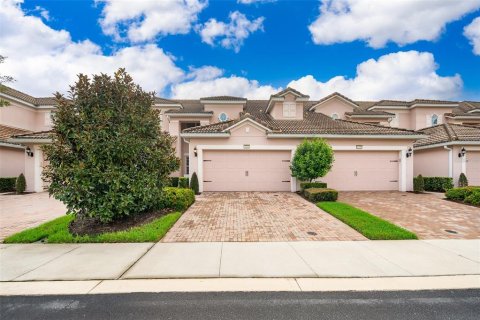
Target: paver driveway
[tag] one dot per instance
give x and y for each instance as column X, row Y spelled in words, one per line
column 257, row 216
column 19, row 212
column 428, row 215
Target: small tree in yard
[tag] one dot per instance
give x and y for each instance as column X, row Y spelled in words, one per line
column 20, row 184
column 194, row 183
column 108, row 158
column 313, row 159
column 462, row 180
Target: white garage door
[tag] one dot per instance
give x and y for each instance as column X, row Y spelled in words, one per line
column 364, row 170
column 473, row 168
column 246, row 170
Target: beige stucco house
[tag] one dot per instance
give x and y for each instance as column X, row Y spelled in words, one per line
column 237, row 144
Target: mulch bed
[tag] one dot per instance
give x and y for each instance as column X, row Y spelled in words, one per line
column 91, row 226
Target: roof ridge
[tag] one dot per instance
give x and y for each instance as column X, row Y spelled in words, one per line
column 375, row 125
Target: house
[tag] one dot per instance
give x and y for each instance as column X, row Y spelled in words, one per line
column 237, row 144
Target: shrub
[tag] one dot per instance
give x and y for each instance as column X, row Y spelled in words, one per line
column 194, row 183
column 20, row 184
column 313, row 159
column 183, row 182
column 7, row 184
column 177, row 198
column 473, row 198
column 462, row 180
column 438, row 184
column 109, row 157
column 308, row 185
column 173, row 182
column 321, row 194
column 418, row 184
column 460, row 194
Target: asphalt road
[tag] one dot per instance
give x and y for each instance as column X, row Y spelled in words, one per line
column 459, row 304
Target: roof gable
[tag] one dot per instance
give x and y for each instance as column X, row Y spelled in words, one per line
column 332, row 96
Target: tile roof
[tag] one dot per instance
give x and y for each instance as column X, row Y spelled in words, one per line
column 224, row 98
column 43, row 101
column 6, row 132
column 34, row 135
column 159, row 100
column 312, row 123
column 446, row 132
column 279, row 94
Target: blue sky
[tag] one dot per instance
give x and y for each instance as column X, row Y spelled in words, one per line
column 278, row 50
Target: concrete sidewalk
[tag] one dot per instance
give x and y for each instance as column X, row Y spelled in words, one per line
column 344, row 259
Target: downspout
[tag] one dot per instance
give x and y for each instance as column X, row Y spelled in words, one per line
column 450, row 161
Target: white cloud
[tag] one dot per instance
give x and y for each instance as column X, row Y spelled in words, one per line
column 143, row 20
column 44, row 60
column 472, row 32
column 378, row 21
column 213, row 85
column 401, row 75
column 231, row 35
column 254, row 1
column 43, row 13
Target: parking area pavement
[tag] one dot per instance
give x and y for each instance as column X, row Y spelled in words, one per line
column 257, row 216
column 19, row 212
column 428, row 215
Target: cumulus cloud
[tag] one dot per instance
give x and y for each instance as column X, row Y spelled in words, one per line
column 378, row 21
column 401, row 75
column 143, row 20
column 230, row 35
column 201, row 85
column 44, row 60
column 254, row 1
column 472, row 32
column 43, row 12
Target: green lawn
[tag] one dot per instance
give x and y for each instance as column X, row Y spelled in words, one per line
column 367, row 224
column 56, row 231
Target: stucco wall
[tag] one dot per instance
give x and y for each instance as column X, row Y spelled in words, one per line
column 232, row 110
column 431, row 162
column 334, row 105
column 277, row 109
column 12, row 162
column 418, row 116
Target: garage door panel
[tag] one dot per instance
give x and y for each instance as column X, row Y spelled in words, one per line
column 364, row 170
column 246, row 170
column 473, row 168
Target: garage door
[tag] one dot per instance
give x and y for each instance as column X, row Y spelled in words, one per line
column 473, row 168
column 364, row 170
column 246, row 170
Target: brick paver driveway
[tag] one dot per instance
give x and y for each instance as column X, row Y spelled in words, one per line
column 428, row 215
column 18, row 212
column 257, row 216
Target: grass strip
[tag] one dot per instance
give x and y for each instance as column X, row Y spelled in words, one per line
column 372, row 227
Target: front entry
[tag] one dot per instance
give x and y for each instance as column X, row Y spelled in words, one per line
column 246, row 170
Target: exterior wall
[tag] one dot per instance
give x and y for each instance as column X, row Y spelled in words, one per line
column 334, row 105
column 232, row 110
column 256, row 137
column 418, row 116
column 431, row 162
column 12, row 162
column 473, row 166
column 277, row 109
column 20, row 116
column 33, row 170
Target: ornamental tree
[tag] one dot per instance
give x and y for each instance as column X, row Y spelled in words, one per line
column 313, row 159
column 108, row 158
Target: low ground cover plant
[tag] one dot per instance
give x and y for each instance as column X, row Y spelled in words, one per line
column 372, row 227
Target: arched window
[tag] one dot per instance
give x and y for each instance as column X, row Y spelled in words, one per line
column 334, row 116
column 434, row 120
column 223, row 117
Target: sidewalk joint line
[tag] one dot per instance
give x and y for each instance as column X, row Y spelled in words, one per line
column 384, row 258
column 298, row 284
column 45, row 262
column 99, row 282
column 448, row 250
column 220, row 265
column 135, row 262
column 304, row 261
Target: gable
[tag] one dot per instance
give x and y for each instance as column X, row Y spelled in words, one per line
column 248, row 129
column 335, row 104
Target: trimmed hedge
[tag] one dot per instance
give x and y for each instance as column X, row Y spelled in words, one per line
column 473, row 198
column 7, row 184
column 183, row 182
column 438, row 184
column 418, row 184
column 308, row 185
column 321, row 194
column 177, row 198
column 460, row 194
column 173, row 182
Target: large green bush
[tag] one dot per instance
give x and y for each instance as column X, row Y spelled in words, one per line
column 108, row 158
column 438, row 184
column 7, row 184
column 321, row 194
column 460, row 194
column 418, row 184
column 473, row 198
column 183, row 182
column 313, row 159
column 177, row 198
column 20, row 184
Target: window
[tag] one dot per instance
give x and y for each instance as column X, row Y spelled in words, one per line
column 334, row 116
column 187, row 164
column 289, row 109
column 434, row 120
column 223, row 117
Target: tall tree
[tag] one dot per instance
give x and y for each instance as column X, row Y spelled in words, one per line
column 109, row 157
